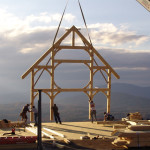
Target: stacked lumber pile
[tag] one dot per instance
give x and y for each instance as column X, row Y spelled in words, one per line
column 112, row 122
column 134, row 136
column 139, row 127
column 133, row 139
column 135, row 116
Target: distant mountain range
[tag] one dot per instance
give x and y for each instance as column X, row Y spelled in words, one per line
column 74, row 106
column 131, row 89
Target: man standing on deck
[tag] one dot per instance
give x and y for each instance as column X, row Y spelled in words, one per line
column 56, row 114
column 93, row 110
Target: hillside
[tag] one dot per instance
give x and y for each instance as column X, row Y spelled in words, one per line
column 74, row 107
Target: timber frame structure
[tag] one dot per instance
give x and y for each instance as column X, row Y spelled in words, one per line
column 51, row 65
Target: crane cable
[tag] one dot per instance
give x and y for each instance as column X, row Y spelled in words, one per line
column 60, row 23
column 85, row 22
column 53, row 42
column 89, row 36
column 57, row 34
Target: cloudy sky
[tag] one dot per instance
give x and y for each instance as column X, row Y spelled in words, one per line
column 119, row 30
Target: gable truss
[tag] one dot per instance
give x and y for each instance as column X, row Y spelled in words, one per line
column 54, row 89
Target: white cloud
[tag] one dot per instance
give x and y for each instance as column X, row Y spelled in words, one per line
column 121, row 50
column 132, row 68
column 109, row 34
column 26, row 50
column 103, row 27
column 102, row 34
column 12, row 26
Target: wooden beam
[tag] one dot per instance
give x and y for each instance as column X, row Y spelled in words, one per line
column 109, row 91
column 54, row 132
column 42, row 66
column 73, row 38
column 74, row 47
column 71, row 61
column 52, row 85
column 72, row 90
column 32, row 95
column 48, row 135
column 91, row 81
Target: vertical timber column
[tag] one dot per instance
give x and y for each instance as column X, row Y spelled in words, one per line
column 109, row 91
column 32, row 94
column 52, row 85
column 73, row 38
column 91, row 81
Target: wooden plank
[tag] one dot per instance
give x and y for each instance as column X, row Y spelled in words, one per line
column 134, row 134
column 71, row 90
column 71, row 61
column 112, row 122
column 43, row 133
column 139, row 127
column 43, row 67
column 54, row 132
column 120, row 126
column 48, row 135
column 31, row 130
column 132, row 122
column 73, row 47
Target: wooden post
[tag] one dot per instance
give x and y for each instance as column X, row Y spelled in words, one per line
column 73, row 38
column 91, row 81
column 32, row 94
column 52, row 84
column 109, row 91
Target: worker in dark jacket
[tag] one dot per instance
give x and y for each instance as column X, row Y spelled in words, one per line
column 56, row 114
column 23, row 114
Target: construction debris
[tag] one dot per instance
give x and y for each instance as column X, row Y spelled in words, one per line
column 8, row 124
column 133, row 117
column 133, row 136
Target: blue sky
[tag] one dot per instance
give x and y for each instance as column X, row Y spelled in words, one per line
column 119, row 30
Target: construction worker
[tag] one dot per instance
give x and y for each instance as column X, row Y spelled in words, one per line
column 23, row 114
column 92, row 110
column 34, row 110
column 56, row 114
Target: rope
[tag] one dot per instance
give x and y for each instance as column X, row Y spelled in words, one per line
column 100, row 71
column 53, row 42
column 57, row 34
column 84, row 21
column 60, row 22
column 41, row 72
column 89, row 36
